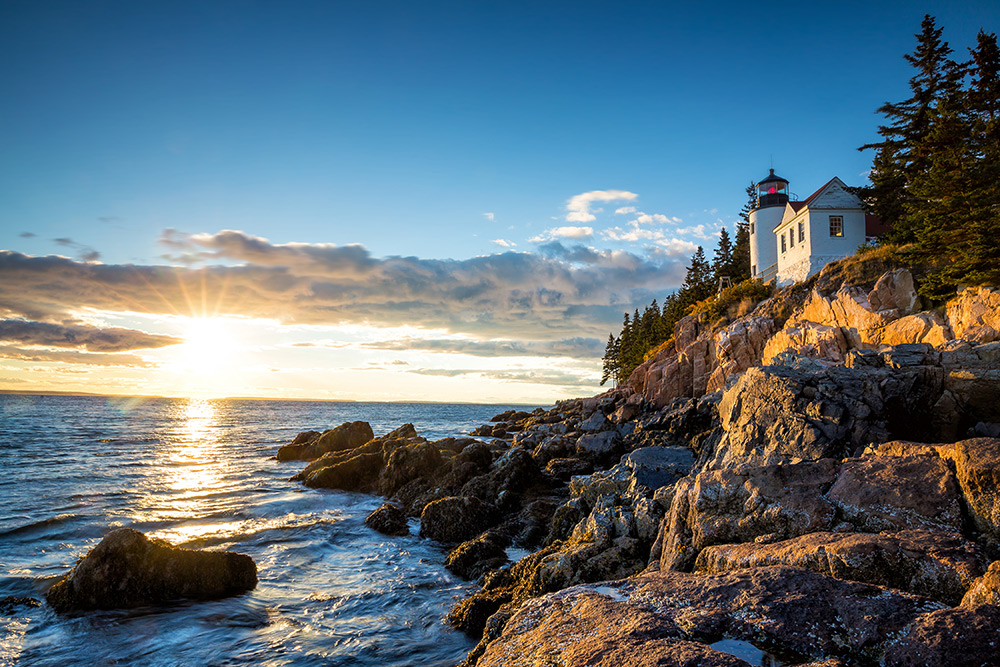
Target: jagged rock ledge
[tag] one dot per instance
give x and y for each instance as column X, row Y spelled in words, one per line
column 794, row 491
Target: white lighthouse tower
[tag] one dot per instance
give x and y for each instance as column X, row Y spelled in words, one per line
column 772, row 195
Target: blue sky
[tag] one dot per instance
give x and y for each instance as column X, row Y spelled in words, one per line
column 432, row 131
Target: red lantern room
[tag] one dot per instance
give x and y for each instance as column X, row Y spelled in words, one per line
column 772, row 191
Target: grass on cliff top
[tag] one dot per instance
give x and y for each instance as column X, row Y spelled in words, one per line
column 752, row 296
column 731, row 302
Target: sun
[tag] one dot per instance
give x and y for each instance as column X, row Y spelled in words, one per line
column 208, row 345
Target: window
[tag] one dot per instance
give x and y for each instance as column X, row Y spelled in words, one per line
column 753, row 269
column 782, row 243
column 751, row 228
column 791, row 238
column 802, row 232
column 836, row 225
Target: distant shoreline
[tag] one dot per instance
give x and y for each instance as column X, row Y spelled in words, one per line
column 83, row 394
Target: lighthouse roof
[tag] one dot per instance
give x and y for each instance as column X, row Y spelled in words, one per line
column 772, row 178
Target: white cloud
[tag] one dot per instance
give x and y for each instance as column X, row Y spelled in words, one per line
column 488, row 216
column 568, row 232
column 578, row 207
column 698, row 231
column 632, row 234
column 649, row 219
column 674, row 248
column 504, row 243
column 625, row 210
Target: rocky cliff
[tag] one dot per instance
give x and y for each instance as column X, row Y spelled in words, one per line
column 826, row 322
column 813, row 483
column 797, row 518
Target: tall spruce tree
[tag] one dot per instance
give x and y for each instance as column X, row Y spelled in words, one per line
column 698, row 281
column 741, row 247
column 956, row 206
column 984, row 107
column 612, row 367
column 723, row 263
column 904, row 152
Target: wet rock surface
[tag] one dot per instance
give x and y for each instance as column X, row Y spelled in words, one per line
column 958, row 637
column 127, row 569
column 310, row 445
column 936, row 564
column 802, row 614
column 388, row 520
column 985, row 589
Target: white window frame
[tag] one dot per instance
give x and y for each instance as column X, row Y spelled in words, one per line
column 802, row 232
column 839, row 221
column 783, row 242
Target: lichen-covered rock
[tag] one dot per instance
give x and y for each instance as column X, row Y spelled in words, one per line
column 958, row 637
column 456, row 519
column 805, row 410
column 473, row 558
column 598, row 446
column 894, row 291
column 738, row 347
column 936, row 564
column 388, row 520
column 565, row 468
column 790, row 609
column 977, row 467
column 985, row 589
column 406, row 464
column 509, row 478
column 639, row 473
column 359, row 473
column 346, row 436
column 11, row 602
column 974, row 311
column 127, row 569
column 741, row 505
column 897, row 492
column 817, row 341
column 926, row 327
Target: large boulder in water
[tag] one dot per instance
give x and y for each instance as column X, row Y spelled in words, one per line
column 128, row 569
column 388, row 520
column 309, row 446
column 456, row 519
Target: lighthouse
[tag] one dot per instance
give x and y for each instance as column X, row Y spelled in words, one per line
column 772, row 195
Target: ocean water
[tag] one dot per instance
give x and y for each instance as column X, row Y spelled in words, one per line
column 201, row 474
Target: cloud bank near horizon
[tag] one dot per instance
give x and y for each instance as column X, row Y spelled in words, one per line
column 559, row 301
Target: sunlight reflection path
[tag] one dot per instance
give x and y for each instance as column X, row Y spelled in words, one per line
column 190, row 475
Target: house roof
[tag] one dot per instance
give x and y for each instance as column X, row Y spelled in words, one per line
column 797, row 206
column 821, row 188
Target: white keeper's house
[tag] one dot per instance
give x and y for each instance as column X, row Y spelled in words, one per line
column 792, row 240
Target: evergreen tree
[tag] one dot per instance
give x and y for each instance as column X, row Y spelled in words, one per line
column 723, row 262
column 741, row 248
column 955, row 204
column 611, row 362
column 741, row 253
column 698, row 281
column 750, row 204
column 904, row 152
